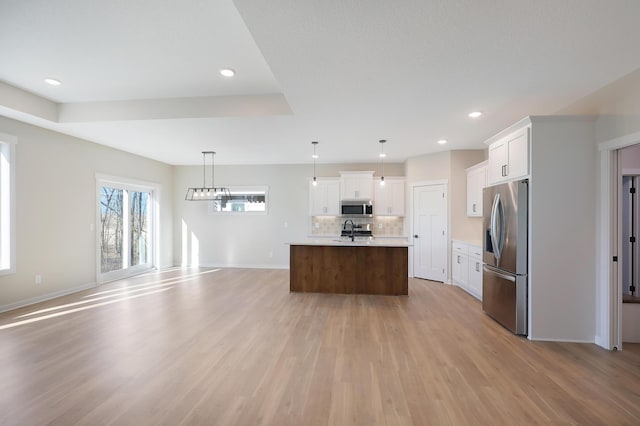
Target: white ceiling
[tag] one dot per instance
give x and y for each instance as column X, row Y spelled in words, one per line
column 142, row 75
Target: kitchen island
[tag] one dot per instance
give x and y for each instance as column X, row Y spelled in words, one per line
column 377, row 266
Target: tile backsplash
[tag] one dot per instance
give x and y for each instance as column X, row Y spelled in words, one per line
column 381, row 226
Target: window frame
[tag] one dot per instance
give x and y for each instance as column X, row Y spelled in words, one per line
column 128, row 185
column 213, row 212
column 7, row 204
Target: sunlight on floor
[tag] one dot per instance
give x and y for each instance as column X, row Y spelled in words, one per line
column 84, row 308
column 149, row 284
column 159, row 286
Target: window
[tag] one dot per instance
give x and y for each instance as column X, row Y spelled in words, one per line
column 7, row 205
column 243, row 200
column 111, row 229
column 126, row 220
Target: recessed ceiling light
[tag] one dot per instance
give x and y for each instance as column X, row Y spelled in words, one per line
column 475, row 114
column 52, row 81
column 227, row 72
column 442, row 141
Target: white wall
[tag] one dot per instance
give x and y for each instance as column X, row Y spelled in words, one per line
column 250, row 240
column 56, row 204
column 562, row 230
column 428, row 167
column 463, row 227
column 449, row 166
column 630, row 160
column 617, row 108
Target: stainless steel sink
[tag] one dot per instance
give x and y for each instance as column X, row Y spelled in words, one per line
column 357, row 240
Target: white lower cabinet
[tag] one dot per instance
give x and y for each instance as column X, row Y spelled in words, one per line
column 466, row 267
column 475, row 271
column 459, row 263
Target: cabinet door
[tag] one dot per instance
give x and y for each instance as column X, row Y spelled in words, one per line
column 317, row 199
column 476, row 181
column 475, row 271
column 365, row 187
column 356, row 185
column 460, row 270
column 459, row 263
column 389, row 198
column 475, row 277
column 324, row 198
column 333, row 197
column 396, row 197
column 381, row 205
column 518, row 152
column 350, row 186
column 498, row 158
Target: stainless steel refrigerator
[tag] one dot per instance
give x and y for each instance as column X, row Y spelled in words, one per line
column 504, row 276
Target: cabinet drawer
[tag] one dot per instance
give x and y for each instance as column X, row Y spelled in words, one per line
column 475, row 252
column 460, row 248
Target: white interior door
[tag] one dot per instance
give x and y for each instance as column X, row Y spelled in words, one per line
column 429, row 232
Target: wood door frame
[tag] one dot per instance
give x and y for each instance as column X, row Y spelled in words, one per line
column 409, row 214
column 608, row 273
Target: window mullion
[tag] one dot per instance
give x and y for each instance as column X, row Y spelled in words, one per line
column 126, row 226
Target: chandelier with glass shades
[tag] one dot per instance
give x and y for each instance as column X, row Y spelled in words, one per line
column 207, row 192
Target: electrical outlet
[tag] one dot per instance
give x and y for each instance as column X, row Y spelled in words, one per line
column 38, row 279
column 271, row 253
column 317, row 225
column 380, row 225
column 286, row 224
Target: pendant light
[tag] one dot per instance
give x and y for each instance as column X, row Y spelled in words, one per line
column 314, row 156
column 382, row 155
column 206, row 192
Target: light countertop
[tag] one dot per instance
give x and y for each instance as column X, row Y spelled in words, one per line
column 477, row 243
column 375, row 242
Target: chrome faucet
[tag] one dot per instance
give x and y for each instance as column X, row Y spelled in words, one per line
column 344, row 226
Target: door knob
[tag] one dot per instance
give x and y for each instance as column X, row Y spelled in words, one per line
column 415, row 236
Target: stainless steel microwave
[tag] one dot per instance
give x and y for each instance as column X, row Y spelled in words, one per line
column 356, row 208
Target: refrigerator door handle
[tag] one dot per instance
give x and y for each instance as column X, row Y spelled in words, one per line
column 494, row 227
column 501, row 225
column 499, row 274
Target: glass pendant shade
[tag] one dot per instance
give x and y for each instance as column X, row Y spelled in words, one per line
column 207, row 192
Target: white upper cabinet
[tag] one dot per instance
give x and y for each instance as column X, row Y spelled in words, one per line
column 509, row 157
column 497, row 162
column 388, row 198
column 476, row 182
column 356, row 185
column 324, row 198
column 518, row 144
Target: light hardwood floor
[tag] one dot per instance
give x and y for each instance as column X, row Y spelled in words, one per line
column 234, row 347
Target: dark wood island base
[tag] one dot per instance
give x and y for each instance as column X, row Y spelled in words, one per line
column 349, row 269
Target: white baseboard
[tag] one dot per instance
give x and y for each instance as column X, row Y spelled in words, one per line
column 538, row 339
column 45, row 297
column 600, row 341
column 242, row 266
column 630, row 323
